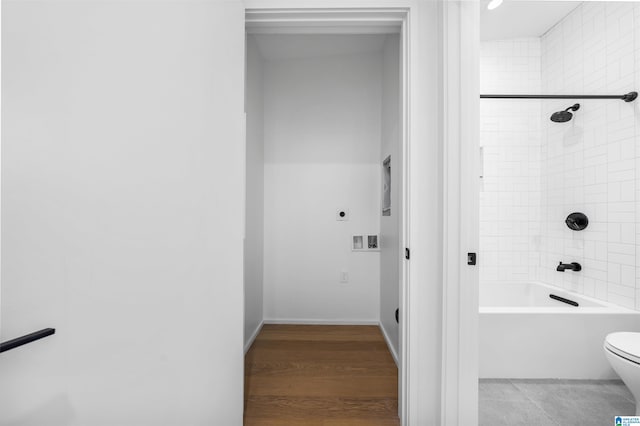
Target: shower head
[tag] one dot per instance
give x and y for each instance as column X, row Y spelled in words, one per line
column 564, row 116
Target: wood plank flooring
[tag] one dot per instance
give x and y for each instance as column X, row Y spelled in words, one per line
column 316, row 375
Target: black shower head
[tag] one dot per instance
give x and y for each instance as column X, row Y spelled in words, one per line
column 564, row 116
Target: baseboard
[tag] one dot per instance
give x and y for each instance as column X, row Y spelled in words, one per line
column 389, row 345
column 320, row 322
column 253, row 336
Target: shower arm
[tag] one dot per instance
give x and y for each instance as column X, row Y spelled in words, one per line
column 628, row 97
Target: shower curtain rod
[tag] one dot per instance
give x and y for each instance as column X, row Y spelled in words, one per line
column 629, row 97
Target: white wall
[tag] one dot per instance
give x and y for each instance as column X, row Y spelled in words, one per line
column 390, row 256
column 254, row 226
column 510, row 137
column 322, row 153
column 122, row 171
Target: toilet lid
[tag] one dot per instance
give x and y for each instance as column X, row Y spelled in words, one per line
column 624, row 344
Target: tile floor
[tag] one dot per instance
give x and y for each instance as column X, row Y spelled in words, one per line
column 553, row 402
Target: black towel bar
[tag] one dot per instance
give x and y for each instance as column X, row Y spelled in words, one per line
column 27, row 338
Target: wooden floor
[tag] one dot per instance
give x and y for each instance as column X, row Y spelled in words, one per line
column 320, row 375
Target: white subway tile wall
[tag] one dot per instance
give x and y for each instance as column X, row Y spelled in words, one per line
column 510, row 137
column 587, row 164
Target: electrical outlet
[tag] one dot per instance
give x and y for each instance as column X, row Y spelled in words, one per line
column 344, row 277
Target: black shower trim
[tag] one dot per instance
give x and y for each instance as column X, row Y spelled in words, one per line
column 577, row 221
column 563, row 300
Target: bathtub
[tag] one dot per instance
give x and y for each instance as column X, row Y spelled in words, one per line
column 523, row 333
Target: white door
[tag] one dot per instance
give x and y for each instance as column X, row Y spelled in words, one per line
column 122, row 198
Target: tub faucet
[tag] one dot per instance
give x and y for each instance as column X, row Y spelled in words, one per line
column 574, row 266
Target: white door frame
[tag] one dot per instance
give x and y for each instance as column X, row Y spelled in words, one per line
column 360, row 21
column 438, row 300
column 461, row 132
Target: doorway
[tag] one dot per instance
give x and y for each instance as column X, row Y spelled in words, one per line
column 325, row 191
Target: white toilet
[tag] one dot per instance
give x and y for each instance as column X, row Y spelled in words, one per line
column 622, row 349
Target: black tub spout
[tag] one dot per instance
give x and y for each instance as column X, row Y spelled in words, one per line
column 573, row 266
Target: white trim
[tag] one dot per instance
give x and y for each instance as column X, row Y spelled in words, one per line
column 460, row 161
column 421, row 318
column 1, row 149
column 451, row 217
column 469, row 203
column 394, row 354
column 252, row 338
column 350, row 17
column 304, row 321
column 325, row 29
column 403, row 240
column 345, row 21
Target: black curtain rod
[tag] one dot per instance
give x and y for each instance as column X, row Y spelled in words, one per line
column 629, row 97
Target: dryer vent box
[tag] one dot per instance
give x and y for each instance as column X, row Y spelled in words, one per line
column 342, row 215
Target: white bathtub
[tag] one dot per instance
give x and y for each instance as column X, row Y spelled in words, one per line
column 526, row 334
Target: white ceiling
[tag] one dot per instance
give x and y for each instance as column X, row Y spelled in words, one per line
column 289, row 46
column 515, row 18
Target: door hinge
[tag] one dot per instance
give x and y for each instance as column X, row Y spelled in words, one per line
column 407, row 253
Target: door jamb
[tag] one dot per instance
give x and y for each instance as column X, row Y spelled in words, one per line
column 461, row 227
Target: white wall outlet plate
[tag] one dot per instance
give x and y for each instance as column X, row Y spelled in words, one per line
column 342, row 215
column 344, row 277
